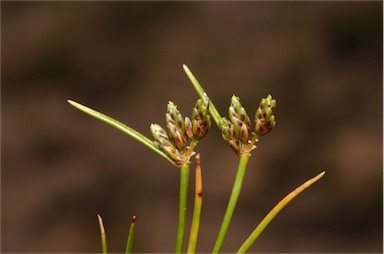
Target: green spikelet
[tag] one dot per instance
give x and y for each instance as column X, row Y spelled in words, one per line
column 264, row 118
column 160, row 135
column 201, row 120
column 176, row 126
column 239, row 119
column 188, row 127
column 226, row 128
column 229, row 135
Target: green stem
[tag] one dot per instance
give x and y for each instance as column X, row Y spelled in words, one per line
column 199, row 89
column 122, row 127
column 232, row 202
column 268, row 218
column 184, row 177
column 103, row 235
column 196, row 209
column 131, row 234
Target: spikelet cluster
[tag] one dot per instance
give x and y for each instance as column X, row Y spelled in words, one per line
column 183, row 133
column 236, row 130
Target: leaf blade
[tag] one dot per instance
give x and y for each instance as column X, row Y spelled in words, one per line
column 120, row 126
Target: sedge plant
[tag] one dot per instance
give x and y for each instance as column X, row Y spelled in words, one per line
column 177, row 144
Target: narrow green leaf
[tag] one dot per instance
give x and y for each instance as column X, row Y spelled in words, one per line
column 103, row 235
column 122, row 127
column 269, row 217
column 200, row 91
column 131, row 234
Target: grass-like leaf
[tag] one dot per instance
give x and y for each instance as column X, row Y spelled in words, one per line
column 268, row 218
column 131, row 234
column 122, row 127
column 103, row 235
column 200, row 91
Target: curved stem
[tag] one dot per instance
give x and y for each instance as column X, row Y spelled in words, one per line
column 196, row 209
column 232, row 202
column 184, row 177
column 268, row 218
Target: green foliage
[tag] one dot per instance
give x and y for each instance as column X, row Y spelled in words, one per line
column 177, row 146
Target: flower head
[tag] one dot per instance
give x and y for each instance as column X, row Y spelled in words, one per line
column 239, row 119
column 264, row 118
column 237, row 130
column 201, row 120
column 176, row 126
column 183, row 133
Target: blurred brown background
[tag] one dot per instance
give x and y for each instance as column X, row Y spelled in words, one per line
column 322, row 61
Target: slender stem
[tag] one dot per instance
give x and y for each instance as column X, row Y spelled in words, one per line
column 268, row 218
column 122, row 127
column 103, row 235
column 232, row 202
column 197, row 208
column 199, row 89
column 131, row 234
column 184, row 177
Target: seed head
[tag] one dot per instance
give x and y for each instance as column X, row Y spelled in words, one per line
column 171, row 152
column 239, row 119
column 264, row 118
column 160, row 135
column 201, row 120
column 188, row 127
column 226, row 128
column 176, row 126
